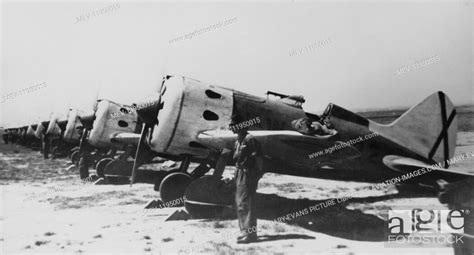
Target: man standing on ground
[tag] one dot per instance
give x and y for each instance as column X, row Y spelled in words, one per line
column 246, row 151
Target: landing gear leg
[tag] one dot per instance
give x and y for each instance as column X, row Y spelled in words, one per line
column 221, row 163
column 46, row 146
column 183, row 168
column 201, row 170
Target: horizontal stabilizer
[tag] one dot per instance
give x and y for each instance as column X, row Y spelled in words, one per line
column 405, row 165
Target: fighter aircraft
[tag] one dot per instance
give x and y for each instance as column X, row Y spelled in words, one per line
column 73, row 132
column 13, row 134
column 41, row 134
column 61, row 145
column 190, row 120
column 112, row 127
column 29, row 138
column 24, row 133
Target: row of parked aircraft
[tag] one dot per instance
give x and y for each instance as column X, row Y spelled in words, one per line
column 188, row 121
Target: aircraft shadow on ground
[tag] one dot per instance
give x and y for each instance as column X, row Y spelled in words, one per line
column 336, row 220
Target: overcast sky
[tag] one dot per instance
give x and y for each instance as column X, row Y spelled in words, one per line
column 360, row 55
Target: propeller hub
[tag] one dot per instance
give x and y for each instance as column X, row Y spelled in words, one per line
column 149, row 113
column 87, row 121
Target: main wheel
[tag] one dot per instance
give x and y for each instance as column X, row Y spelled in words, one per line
column 100, row 166
column 72, row 150
column 173, row 186
column 160, row 177
column 75, row 157
column 118, row 168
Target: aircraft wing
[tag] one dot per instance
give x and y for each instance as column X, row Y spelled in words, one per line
column 125, row 138
column 283, row 144
column 405, row 165
column 309, row 151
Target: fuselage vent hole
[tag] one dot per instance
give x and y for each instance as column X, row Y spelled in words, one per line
column 213, row 95
column 210, row 115
column 122, row 123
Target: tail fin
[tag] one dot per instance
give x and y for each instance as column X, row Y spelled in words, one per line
column 428, row 128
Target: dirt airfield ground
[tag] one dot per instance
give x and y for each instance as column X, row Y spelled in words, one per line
column 46, row 209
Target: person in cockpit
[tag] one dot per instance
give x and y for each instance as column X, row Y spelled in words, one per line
column 314, row 128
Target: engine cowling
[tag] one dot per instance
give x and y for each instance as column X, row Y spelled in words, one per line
column 110, row 119
column 74, row 127
column 189, row 108
column 54, row 131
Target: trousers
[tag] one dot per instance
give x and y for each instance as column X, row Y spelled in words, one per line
column 246, row 181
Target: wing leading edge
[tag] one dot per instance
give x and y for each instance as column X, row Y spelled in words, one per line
column 283, row 144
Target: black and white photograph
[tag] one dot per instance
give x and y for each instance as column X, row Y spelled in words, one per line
column 338, row 127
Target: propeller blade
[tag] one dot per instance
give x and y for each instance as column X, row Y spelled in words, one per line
column 140, row 151
column 149, row 116
column 83, row 142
